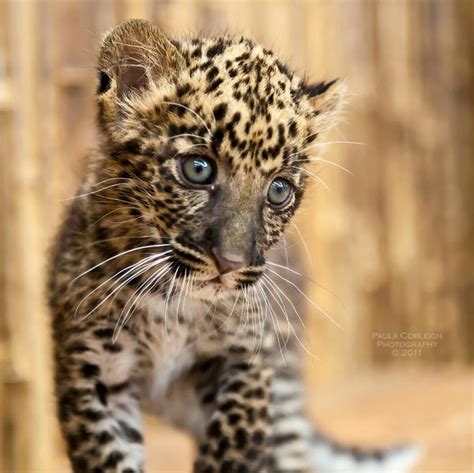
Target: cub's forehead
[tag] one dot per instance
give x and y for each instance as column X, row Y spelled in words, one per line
column 241, row 73
column 252, row 103
column 241, row 66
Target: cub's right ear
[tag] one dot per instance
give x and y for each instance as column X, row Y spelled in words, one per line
column 327, row 99
column 134, row 55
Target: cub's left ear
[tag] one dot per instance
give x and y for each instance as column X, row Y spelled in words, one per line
column 134, row 55
column 327, row 99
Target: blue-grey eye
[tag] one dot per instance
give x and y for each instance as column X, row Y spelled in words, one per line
column 279, row 192
column 198, row 170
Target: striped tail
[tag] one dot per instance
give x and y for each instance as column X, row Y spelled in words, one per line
column 327, row 456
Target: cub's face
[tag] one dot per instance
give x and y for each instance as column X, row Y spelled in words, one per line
column 208, row 140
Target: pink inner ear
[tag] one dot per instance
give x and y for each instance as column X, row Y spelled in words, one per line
column 132, row 78
column 132, row 75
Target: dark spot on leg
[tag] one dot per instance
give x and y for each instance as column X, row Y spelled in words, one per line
column 101, row 391
column 113, row 459
column 90, row 371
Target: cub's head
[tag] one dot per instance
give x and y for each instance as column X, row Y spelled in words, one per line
column 205, row 143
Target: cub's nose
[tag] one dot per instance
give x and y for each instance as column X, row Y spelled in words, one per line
column 226, row 261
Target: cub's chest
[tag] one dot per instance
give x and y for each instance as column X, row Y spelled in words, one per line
column 169, row 360
column 172, row 346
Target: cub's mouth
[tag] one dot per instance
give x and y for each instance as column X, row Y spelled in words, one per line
column 218, row 286
column 216, row 280
column 201, row 275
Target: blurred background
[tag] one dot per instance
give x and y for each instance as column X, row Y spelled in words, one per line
column 390, row 246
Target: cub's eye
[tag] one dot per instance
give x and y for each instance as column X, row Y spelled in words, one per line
column 279, row 192
column 198, row 170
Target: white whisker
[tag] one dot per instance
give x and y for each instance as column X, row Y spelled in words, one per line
column 167, row 299
column 118, row 256
column 142, row 270
column 279, row 301
column 307, row 298
column 93, row 192
column 308, row 254
column 314, row 176
column 144, row 289
column 189, row 135
column 273, row 319
column 324, row 161
column 325, row 143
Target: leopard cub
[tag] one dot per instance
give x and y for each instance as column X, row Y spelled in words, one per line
column 161, row 293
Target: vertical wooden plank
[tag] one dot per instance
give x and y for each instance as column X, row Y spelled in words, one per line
column 307, row 221
column 357, row 261
column 417, row 156
column 236, row 17
column 76, row 82
column 462, row 174
column 27, row 396
column 456, row 102
column 271, row 25
column 446, row 102
column 327, row 220
column 399, row 217
column 177, row 18
column 5, row 145
column 137, row 9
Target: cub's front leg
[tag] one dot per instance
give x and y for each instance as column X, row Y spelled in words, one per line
column 237, row 434
column 97, row 399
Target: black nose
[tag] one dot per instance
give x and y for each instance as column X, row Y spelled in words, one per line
column 227, row 262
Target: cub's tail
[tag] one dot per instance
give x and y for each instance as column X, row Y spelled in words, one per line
column 327, row 456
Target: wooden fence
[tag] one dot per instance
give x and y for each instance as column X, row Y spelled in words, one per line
column 392, row 244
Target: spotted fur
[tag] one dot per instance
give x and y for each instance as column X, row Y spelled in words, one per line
column 144, row 313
